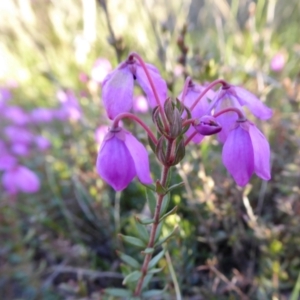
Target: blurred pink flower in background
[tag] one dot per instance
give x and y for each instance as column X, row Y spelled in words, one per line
column 140, row 104
column 20, row 179
column 42, row 115
column 42, row 143
column 278, row 62
column 16, row 115
column 70, row 108
column 100, row 133
column 100, row 69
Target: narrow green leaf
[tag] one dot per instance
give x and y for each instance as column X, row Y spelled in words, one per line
column 160, row 189
column 132, row 240
column 155, row 270
column 142, row 231
column 158, row 231
column 129, row 260
column 147, row 280
column 296, row 290
column 156, row 259
column 148, row 251
column 151, row 199
column 118, row 292
column 171, row 212
column 165, row 204
column 175, row 186
column 144, row 221
column 150, row 187
column 151, row 144
column 132, row 277
column 153, row 293
column 167, row 237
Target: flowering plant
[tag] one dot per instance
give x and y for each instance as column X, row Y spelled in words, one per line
column 189, row 118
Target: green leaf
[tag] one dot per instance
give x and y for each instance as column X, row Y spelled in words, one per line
column 160, row 190
column 118, row 292
column 142, row 231
column 171, row 212
column 156, row 259
column 175, row 186
column 148, row 251
column 147, row 280
column 132, row 240
column 144, row 221
column 151, row 199
column 150, row 187
column 158, row 231
column 296, row 290
column 151, row 144
column 129, row 260
column 165, row 204
column 167, row 237
column 132, row 277
column 153, row 293
column 155, row 270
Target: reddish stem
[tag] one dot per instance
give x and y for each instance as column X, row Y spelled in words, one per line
column 188, row 122
column 231, row 109
column 143, row 65
column 187, row 82
column 147, row 259
column 209, row 87
column 136, row 119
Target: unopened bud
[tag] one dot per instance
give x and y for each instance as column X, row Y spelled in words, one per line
column 207, row 125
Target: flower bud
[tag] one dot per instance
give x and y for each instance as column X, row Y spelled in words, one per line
column 207, row 125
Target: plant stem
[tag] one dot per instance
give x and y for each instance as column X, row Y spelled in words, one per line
column 161, row 110
column 209, row 87
column 136, row 119
column 163, row 180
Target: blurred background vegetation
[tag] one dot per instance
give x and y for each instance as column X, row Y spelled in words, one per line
column 233, row 243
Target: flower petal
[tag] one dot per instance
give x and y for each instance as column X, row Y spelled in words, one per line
column 115, row 164
column 258, row 108
column 139, row 155
column 261, row 151
column 117, row 92
column 27, row 180
column 158, row 81
column 238, row 156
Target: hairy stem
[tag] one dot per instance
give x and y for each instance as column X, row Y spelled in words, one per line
column 163, row 180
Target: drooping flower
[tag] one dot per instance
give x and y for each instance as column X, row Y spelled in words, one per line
column 234, row 96
column 207, row 125
column 121, row 158
column 246, row 151
column 193, row 92
column 20, row 179
column 117, row 87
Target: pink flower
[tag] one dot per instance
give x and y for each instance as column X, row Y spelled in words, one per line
column 70, row 108
column 208, row 126
column 121, row 158
column 42, row 143
column 193, row 91
column 42, row 115
column 100, row 134
column 246, row 151
column 17, row 134
column 20, row 179
column 234, row 96
column 100, row 69
column 277, row 62
column 117, row 87
column 16, row 115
